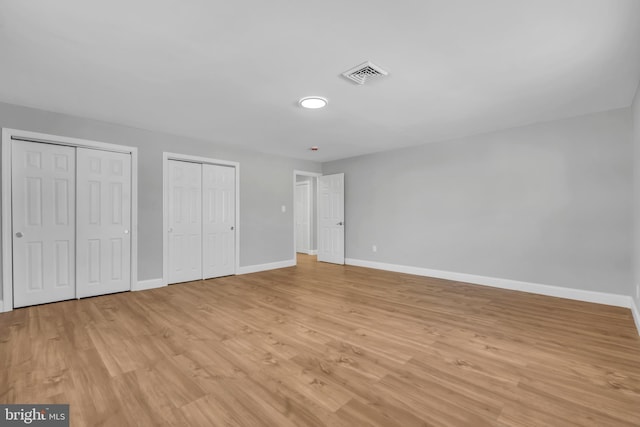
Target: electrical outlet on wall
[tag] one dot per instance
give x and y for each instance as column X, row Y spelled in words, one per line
column 638, row 291
column 374, row 248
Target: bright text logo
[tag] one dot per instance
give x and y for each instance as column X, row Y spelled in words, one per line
column 36, row 415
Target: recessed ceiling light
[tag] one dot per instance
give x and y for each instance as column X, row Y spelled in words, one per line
column 313, row 102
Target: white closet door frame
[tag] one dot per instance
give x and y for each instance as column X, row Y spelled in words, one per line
column 165, row 205
column 7, row 248
column 314, row 213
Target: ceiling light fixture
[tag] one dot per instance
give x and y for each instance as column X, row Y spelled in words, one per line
column 313, row 102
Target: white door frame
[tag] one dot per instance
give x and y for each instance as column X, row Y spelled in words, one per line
column 302, row 173
column 7, row 247
column 165, row 205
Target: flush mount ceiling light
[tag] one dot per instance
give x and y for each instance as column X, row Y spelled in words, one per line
column 313, row 102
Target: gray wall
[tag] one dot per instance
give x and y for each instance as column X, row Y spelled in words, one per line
column 266, row 234
column 549, row 203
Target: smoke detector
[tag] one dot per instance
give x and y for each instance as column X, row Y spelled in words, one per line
column 364, row 72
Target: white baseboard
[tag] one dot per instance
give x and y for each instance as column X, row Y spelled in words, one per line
column 516, row 285
column 264, row 267
column 309, row 252
column 635, row 310
column 143, row 285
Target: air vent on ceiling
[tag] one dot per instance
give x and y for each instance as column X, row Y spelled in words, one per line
column 364, row 72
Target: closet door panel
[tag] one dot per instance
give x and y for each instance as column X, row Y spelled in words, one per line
column 103, row 222
column 219, row 189
column 43, row 217
column 185, row 221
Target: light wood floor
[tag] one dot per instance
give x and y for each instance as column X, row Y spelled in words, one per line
column 321, row 344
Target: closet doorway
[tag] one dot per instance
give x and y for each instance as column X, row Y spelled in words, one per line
column 68, row 218
column 200, row 218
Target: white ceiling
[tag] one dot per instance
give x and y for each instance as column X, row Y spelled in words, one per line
column 233, row 71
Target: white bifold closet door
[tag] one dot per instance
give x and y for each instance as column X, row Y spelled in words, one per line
column 104, row 222
column 218, row 220
column 185, row 221
column 71, row 217
column 43, row 215
column 201, row 221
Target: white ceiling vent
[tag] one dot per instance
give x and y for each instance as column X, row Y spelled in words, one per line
column 364, row 72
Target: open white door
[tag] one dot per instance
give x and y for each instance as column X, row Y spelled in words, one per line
column 185, row 221
column 104, row 222
column 331, row 218
column 218, row 220
column 43, row 203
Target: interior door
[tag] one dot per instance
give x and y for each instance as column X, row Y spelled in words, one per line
column 185, row 221
column 303, row 211
column 331, row 218
column 43, row 215
column 104, row 222
column 218, row 220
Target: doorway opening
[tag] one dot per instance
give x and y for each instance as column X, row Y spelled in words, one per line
column 305, row 226
column 325, row 234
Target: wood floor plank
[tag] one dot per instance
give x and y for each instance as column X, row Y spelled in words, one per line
column 325, row 345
